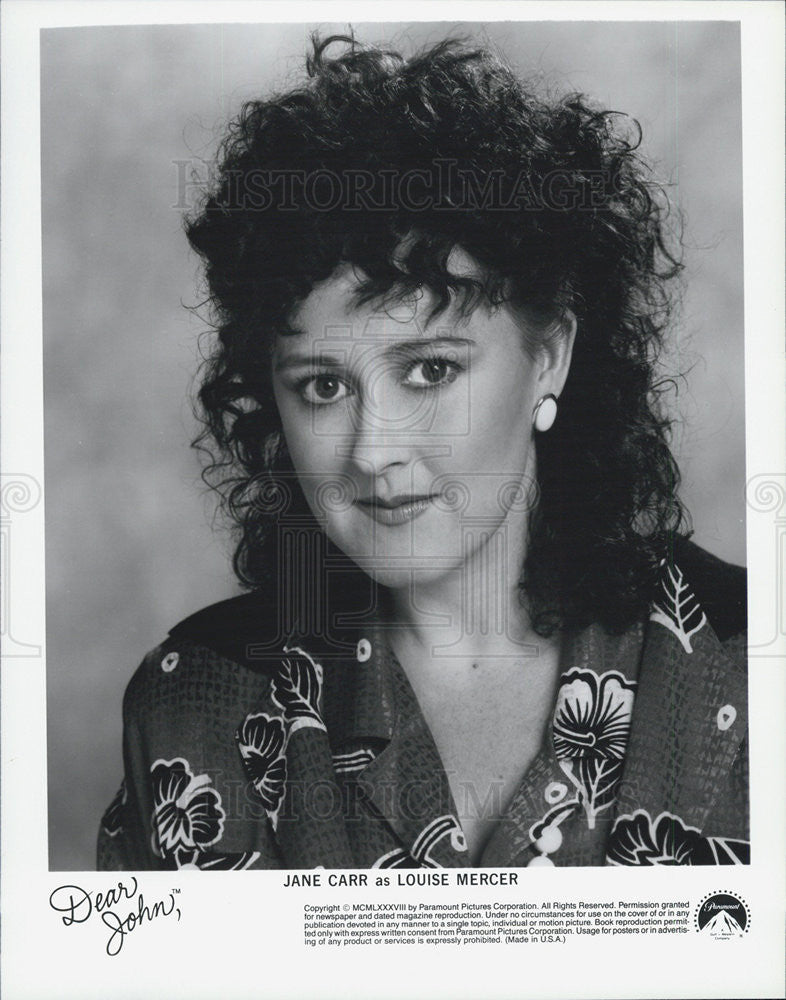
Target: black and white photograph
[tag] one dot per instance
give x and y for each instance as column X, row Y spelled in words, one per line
column 452, row 286
column 397, row 490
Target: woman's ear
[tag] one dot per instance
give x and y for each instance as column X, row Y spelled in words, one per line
column 556, row 351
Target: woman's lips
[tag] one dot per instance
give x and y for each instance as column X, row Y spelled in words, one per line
column 396, row 510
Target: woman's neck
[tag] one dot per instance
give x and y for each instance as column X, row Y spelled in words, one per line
column 472, row 614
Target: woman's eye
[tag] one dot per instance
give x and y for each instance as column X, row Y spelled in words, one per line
column 320, row 389
column 432, row 372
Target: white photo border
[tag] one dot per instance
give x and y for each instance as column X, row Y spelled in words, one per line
column 241, row 934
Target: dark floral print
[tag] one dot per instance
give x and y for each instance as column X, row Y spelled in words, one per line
column 722, row 851
column 676, row 607
column 595, row 779
column 112, row 820
column 590, row 731
column 663, row 780
column 420, row 856
column 554, row 817
column 353, row 762
column 641, row 840
column 398, row 858
column 187, row 813
column 262, row 740
column 592, row 714
column 297, row 690
column 208, row 861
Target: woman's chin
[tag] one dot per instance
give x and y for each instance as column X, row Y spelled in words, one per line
column 431, row 549
column 403, row 573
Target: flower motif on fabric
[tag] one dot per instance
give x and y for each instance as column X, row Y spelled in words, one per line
column 262, row 741
column 112, row 820
column 592, row 714
column 676, row 607
column 297, row 690
column 187, row 814
column 638, row 839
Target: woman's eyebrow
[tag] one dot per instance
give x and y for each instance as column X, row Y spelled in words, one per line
column 307, row 360
column 304, row 359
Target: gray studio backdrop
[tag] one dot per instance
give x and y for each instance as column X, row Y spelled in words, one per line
column 131, row 546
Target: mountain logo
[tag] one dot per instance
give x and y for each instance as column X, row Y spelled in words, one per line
column 722, row 915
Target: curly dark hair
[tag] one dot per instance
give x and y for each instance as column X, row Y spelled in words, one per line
column 389, row 164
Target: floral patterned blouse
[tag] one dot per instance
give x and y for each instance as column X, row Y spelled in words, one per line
column 305, row 759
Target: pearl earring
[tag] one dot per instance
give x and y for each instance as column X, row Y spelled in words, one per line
column 545, row 412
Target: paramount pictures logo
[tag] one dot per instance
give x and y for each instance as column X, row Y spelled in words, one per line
column 722, row 915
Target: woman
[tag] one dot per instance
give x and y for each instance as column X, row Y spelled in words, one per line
column 475, row 634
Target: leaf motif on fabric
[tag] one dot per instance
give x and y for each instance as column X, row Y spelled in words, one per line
column 262, row 742
column 677, row 608
column 297, row 690
column 723, row 851
column 595, row 779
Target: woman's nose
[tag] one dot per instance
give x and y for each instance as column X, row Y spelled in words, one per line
column 379, row 440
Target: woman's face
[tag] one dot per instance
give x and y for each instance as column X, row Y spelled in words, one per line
column 413, row 441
